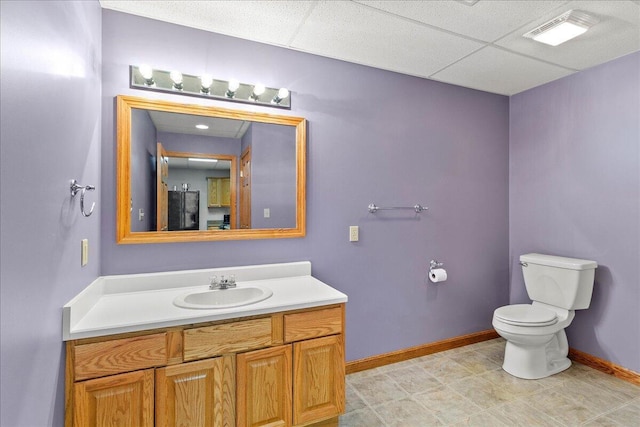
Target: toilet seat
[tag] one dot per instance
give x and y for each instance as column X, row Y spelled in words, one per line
column 526, row 315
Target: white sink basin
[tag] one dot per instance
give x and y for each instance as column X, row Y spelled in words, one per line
column 223, row 298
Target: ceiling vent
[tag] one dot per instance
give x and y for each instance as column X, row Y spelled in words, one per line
column 562, row 28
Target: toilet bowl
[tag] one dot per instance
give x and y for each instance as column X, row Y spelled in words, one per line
column 537, row 345
column 536, row 342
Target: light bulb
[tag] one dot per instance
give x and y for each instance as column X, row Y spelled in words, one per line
column 234, row 85
column 146, row 72
column 283, row 93
column 232, row 88
column 176, row 76
column 206, row 80
column 258, row 89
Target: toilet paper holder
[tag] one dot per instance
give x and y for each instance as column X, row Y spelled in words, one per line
column 433, row 264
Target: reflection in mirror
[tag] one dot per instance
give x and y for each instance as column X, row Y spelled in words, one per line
column 201, row 173
column 199, row 195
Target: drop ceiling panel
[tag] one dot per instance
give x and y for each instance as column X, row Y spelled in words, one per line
column 351, row 32
column 499, row 71
column 486, row 20
column 617, row 34
column 273, row 22
column 444, row 40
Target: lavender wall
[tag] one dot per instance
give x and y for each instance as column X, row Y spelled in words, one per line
column 373, row 136
column 273, row 176
column 50, row 133
column 574, row 191
column 143, row 170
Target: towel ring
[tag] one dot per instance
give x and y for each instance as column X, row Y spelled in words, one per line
column 75, row 187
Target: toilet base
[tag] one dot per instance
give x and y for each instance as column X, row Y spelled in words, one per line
column 539, row 360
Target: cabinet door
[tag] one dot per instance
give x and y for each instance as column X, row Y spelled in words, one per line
column 124, row 400
column 190, row 394
column 225, row 184
column 318, row 372
column 264, row 387
column 213, row 192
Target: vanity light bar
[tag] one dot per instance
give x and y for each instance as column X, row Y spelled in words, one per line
column 146, row 78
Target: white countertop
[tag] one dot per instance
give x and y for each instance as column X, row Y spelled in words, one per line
column 129, row 303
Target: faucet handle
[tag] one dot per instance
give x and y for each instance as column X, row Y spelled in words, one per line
column 232, row 279
column 213, row 280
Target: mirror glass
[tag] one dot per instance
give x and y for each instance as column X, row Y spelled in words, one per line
column 191, row 173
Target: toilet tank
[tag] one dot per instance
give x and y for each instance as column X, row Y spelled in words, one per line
column 559, row 281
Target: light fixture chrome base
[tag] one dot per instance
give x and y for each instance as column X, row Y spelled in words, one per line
column 219, row 89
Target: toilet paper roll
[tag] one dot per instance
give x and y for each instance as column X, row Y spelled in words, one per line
column 438, row 275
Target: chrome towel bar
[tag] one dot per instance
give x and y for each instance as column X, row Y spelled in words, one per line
column 417, row 208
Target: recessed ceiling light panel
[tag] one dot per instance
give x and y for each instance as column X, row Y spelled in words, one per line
column 562, row 28
column 198, row 159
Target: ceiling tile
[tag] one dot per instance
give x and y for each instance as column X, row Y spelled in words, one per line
column 273, row 22
column 486, row 20
column 444, row 40
column 496, row 70
column 354, row 33
column 617, row 34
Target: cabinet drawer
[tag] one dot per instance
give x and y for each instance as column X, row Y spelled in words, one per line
column 235, row 337
column 116, row 356
column 312, row 324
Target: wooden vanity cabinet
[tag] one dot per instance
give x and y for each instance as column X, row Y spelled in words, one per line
column 282, row 369
column 307, row 374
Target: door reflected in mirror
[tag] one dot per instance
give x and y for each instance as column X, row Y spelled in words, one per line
column 195, row 191
column 194, row 173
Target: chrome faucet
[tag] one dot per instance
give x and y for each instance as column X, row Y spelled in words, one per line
column 223, row 283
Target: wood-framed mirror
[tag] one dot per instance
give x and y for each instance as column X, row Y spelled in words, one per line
column 188, row 173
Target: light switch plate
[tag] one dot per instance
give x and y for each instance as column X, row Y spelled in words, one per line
column 267, row 213
column 84, row 252
column 353, row 233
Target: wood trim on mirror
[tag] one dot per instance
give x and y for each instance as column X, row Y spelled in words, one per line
column 124, row 235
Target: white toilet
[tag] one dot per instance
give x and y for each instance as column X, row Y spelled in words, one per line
column 537, row 345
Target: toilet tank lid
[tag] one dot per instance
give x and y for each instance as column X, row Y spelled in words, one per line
column 559, row 261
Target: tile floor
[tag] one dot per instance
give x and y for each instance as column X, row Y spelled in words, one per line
column 467, row 386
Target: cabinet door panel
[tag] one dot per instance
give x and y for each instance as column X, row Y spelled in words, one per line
column 124, row 400
column 264, row 387
column 318, row 389
column 190, row 395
